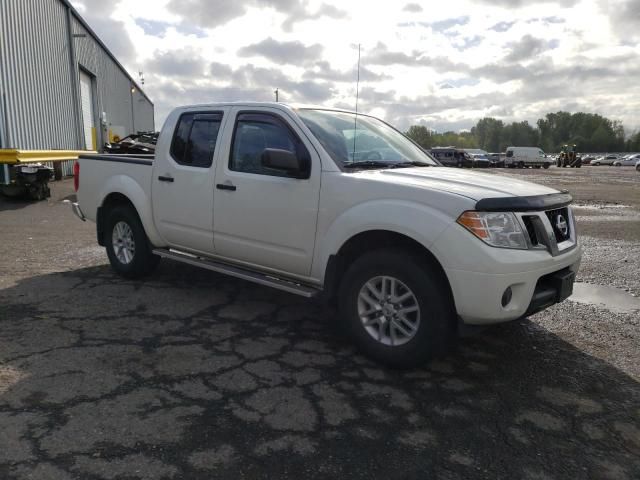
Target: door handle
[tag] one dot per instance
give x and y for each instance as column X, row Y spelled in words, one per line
column 226, row 186
column 165, row 179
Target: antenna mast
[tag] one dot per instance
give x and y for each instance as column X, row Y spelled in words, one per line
column 355, row 119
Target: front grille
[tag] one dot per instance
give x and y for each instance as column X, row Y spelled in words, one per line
column 559, row 219
column 531, row 229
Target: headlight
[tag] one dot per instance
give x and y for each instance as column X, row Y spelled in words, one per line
column 498, row 229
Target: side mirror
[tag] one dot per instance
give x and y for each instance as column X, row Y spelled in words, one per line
column 285, row 161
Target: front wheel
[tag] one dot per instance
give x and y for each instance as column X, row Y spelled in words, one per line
column 546, row 165
column 396, row 308
column 128, row 247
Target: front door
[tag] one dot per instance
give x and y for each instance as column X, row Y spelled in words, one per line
column 263, row 217
column 182, row 185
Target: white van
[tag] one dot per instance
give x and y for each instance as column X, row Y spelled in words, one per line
column 521, row 157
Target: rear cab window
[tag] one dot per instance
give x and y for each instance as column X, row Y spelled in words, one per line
column 194, row 139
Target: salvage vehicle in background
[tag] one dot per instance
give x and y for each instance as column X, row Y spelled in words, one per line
column 480, row 160
column 452, row 157
column 627, row 160
column 522, row 157
column 496, row 159
column 142, row 143
column 605, row 160
column 315, row 201
column 28, row 179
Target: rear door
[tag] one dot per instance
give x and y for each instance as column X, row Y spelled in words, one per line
column 183, row 178
column 263, row 217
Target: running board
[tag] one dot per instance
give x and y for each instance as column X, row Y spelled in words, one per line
column 260, row 278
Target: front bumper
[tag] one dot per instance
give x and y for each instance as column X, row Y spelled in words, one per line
column 478, row 296
column 78, row 212
column 479, row 274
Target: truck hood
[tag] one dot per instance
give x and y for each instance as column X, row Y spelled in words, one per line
column 467, row 183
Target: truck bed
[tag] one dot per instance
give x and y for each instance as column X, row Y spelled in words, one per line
column 103, row 174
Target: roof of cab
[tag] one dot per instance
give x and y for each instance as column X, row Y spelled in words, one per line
column 282, row 105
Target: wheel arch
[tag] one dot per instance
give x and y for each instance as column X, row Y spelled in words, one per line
column 128, row 193
column 351, row 250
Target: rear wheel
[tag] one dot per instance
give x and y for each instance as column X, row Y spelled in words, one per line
column 128, row 247
column 521, row 165
column 396, row 309
column 546, row 165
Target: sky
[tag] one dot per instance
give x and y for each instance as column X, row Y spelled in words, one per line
column 440, row 64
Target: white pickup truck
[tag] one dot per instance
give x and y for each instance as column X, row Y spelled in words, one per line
column 321, row 201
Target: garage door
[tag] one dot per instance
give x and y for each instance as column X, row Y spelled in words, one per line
column 86, row 95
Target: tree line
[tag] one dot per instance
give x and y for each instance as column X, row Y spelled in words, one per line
column 590, row 132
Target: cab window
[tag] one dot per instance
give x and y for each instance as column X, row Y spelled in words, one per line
column 255, row 132
column 194, row 140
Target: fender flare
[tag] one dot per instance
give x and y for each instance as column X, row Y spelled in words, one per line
column 132, row 190
column 414, row 220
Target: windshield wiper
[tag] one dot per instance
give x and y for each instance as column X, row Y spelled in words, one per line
column 383, row 164
column 367, row 163
column 413, row 164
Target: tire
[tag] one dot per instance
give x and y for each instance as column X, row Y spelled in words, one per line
column 37, row 191
column 536, row 166
column 521, row 165
column 617, row 164
column 432, row 327
column 546, row 165
column 597, row 164
column 123, row 221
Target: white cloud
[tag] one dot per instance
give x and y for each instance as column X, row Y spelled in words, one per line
column 513, row 60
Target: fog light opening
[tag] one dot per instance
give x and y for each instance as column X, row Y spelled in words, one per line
column 506, row 296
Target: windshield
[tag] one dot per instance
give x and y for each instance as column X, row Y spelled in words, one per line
column 363, row 140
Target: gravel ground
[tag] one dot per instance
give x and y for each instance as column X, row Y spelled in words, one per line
column 194, row 375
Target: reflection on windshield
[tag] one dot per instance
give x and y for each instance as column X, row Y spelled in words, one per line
column 366, row 140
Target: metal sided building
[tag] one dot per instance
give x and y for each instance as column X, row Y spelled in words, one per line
column 60, row 86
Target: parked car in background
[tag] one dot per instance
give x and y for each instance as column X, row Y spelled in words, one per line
column 587, row 159
column 605, row 159
column 496, row 159
column 522, row 157
column 452, row 157
column 480, row 161
column 627, row 160
column 638, row 166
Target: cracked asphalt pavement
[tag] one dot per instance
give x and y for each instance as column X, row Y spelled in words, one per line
column 190, row 374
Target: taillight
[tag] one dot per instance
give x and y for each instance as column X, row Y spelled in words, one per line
column 76, row 175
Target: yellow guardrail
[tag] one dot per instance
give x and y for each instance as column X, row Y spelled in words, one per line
column 12, row 156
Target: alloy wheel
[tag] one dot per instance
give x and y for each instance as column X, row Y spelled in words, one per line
column 389, row 310
column 124, row 245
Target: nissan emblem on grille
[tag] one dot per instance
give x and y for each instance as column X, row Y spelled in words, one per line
column 561, row 225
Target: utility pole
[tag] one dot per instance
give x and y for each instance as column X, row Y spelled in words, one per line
column 276, row 92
